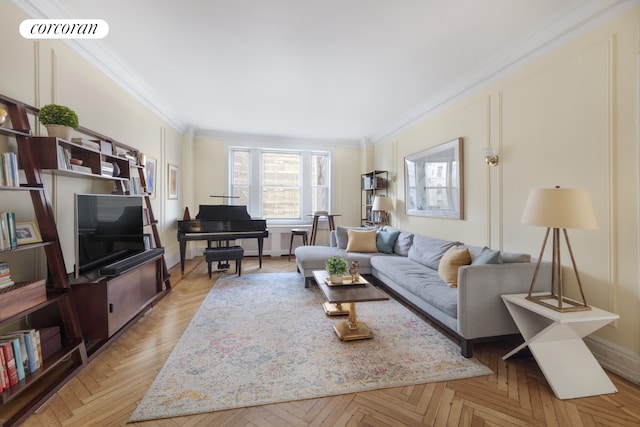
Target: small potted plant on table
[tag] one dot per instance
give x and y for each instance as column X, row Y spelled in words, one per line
column 59, row 120
column 336, row 267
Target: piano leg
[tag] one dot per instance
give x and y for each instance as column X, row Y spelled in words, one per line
column 183, row 249
column 260, row 245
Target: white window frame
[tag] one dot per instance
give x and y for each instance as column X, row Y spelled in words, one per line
column 255, row 176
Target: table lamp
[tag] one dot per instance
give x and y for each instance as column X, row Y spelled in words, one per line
column 558, row 209
column 382, row 204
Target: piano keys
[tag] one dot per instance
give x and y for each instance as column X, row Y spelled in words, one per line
column 221, row 223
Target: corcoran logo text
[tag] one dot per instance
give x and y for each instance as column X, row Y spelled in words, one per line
column 64, row 28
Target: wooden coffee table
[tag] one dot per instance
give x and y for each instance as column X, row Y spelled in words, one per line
column 342, row 299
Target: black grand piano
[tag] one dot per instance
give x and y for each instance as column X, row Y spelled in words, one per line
column 221, row 223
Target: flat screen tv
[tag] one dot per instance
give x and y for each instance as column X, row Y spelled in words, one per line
column 108, row 228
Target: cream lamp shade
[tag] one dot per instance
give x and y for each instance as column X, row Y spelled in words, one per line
column 559, row 208
column 382, row 203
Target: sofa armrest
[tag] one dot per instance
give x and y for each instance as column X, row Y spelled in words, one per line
column 481, row 311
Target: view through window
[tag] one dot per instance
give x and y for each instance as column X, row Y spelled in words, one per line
column 276, row 184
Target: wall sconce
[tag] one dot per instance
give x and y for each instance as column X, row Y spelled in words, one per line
column 489, row 157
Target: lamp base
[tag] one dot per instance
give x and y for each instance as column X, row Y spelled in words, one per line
column 554, row 302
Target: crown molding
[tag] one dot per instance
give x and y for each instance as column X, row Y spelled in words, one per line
column 97, row 55
column 273, row 140
column 573, row 22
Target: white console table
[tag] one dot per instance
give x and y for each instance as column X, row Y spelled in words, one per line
column 555, row 340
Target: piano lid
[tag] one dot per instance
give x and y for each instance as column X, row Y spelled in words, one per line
column 224, row 212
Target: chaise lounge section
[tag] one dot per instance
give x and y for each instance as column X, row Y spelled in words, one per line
column 456, row 286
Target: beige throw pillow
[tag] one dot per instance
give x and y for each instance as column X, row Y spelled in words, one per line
column 362, row 241
column 450, row 262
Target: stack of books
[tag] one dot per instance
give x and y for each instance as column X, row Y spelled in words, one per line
column 8, row 237
column 134, row 185
column 89, row 143
column 5, row 275
column 20, row 354
column 64, row 158
column 107, row 169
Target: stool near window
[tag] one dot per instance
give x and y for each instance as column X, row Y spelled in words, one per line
column 298, row 232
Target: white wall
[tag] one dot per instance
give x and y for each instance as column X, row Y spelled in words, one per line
column 210, row 178
column 567, row 119
column 42, row 72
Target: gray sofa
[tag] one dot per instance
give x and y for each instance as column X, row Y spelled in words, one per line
column 471, row 311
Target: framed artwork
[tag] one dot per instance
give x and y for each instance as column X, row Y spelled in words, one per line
column 172, row 181
column 27, row 232
column 434, row 181
column 150, row 167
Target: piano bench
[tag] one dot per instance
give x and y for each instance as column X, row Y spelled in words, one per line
column 224, row 254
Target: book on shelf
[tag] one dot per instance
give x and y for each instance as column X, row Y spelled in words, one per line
column 64, row 158
column 5, row 282
column 147, row 216
column 5, row 275
column 25, row 354
column 13, row 237
column 372, row 182
column 38, row 345
column 12, row 372
column 8, row 237
column 86, row 142
column 4, row 377
column 80, row 168
column 17, row 344
column 9, row 170
column 20, row 354
column 134, row 185
column 5, row 243
column 107, row 168
column 31, row 344
column 148, row 242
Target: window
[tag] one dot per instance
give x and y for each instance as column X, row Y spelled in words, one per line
column 279, row 184
column 320, row 185
column 240, row 181
column 281, row 187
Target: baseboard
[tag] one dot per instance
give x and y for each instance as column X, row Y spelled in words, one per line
column 615, row 358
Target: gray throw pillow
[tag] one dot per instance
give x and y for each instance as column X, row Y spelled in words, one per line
column 428, row 250
column 386, row 241
column 515, row 257
column 403, row 243
column 487, row 256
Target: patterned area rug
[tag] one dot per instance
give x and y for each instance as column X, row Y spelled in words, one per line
column 264, row 338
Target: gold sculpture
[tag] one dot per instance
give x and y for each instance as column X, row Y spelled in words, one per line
column 355, row 277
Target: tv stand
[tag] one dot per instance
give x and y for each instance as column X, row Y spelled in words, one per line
column 119, row 267
column 105, row 305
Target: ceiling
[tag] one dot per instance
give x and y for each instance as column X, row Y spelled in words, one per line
column 329, row 69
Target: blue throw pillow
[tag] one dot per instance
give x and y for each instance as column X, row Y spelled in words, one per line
column 386, row 240
column 487, row 256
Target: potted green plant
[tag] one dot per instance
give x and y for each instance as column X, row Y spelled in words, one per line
column 59, row 120
column 336, row 267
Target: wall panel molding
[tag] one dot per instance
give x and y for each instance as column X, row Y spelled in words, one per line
column 533, row 157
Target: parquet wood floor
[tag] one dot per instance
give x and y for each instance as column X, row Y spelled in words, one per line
column 107, row 391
